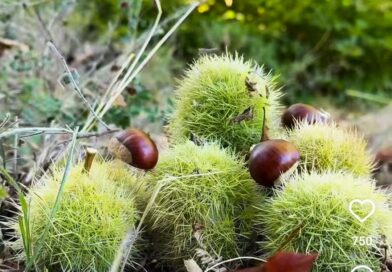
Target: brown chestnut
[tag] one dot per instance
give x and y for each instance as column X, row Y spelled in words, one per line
column 300, row 112
column 134, row 147
column 383, row 167
column 269, row 159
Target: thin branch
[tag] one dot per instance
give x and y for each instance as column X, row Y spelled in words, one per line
column 57, row 201
column 16, row 141
column 105, row 106
column 75, row 85
column 128, row 80
column 234, row 259
column 17, row 131
column 49, row 36
column 145, row 44
column 96, row 134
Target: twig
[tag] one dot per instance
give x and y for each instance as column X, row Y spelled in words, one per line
column 60, row 14
column 49, row 36
column 96, row 134
column 137, row 44
column 56, row 205
column 75, row 85
column 18, row 131
column 106, row 105
column 16, row 140
column 2, row 153
column 90, row 155
column 161, row 42
column 144, row 46
column 234, row 259
column 5, row 120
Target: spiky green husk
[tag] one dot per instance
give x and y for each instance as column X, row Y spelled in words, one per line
column 205, row 191
column 311, row 215
column 94, row 216
column 326, row 147
column 213, row 93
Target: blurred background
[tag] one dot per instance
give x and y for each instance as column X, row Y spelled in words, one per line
column 334, row 54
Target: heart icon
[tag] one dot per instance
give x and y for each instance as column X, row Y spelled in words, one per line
column 361, row 268
column 362, row 203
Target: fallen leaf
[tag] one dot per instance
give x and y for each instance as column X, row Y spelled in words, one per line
column 192, row 266
column 120, row 102
column 290, row 262
column 285, row 262
column 246, row 115
column 8, row 44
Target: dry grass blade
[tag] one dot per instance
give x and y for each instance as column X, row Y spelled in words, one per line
column 144, row 46
column 18, row 131
column 58, row 199
column 127, row 245
column 116, row 88
column 75, row 86
column 232, row 260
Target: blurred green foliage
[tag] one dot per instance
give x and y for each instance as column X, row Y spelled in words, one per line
column 319, row 47
column 97, row 18
column 3, row 193
column 34, row 103
column 139, row 101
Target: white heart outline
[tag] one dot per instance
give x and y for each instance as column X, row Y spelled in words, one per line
column 362, row 202
column 361, row 266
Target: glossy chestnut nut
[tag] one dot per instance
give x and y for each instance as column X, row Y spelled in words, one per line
column 269, row 159
column 300, row 112
column 134, row 147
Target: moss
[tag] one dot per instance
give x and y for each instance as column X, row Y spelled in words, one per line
column 206, row 202
column 311, row 214
column 326, row 147
column 94, row 216
column 213, row 97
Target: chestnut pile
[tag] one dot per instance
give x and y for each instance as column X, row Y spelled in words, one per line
column 239, row 178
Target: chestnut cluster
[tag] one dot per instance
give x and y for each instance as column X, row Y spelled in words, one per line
column 271, row 158
column 268, row 159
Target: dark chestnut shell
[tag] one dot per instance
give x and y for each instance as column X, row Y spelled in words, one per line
column 135, row 147
column 382, row 170
column 300, row 112
column 269, row 159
